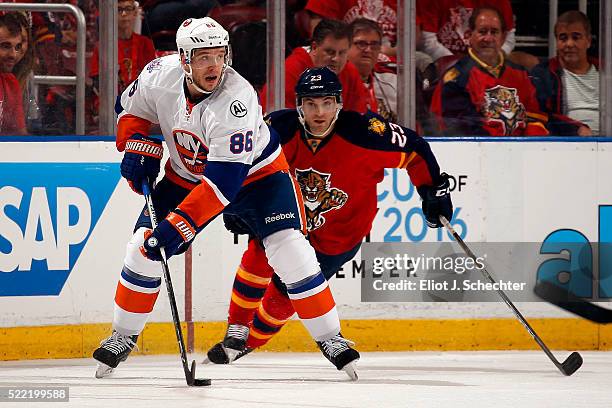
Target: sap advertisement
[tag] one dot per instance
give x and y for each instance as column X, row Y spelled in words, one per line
column 66, row 214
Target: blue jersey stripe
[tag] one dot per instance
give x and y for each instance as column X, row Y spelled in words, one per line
column 248, row 291
column 227, row 176
column 306, row 284
column 270, row 148
column 139, row 280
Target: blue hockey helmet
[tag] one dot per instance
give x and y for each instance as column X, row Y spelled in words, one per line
column 318, row 82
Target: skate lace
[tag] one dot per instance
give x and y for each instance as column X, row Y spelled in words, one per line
column 117, row 343
column 336, row 345
column 237, row 331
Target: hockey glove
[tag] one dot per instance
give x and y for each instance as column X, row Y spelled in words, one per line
column 174, row 234
column 437, row 202
column 141, row 160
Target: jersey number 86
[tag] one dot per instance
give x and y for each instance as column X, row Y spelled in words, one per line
column 241, row 142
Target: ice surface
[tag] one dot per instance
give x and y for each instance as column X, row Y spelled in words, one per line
column 409, row 379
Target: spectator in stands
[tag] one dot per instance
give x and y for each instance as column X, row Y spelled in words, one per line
column 568, row 84
column 445, row 25
column 167, row 15
column 380, row 79
column 56, row 37
column 135, row 50
column 483, row 94
column 24, row 71
column 384, row 12
column 330, row 44
column 25, row 60
column 381, row 85
column 12, row 120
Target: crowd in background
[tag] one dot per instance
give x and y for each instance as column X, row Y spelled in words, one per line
column 471, row 81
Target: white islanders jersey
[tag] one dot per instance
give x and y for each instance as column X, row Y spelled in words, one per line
column 227, row 126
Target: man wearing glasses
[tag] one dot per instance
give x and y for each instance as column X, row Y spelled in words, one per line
column 135, row 50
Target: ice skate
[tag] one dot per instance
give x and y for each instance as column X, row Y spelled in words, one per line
column 338, row 351
column 231, row 348
column 112, row 351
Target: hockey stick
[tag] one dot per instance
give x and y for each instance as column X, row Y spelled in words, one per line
column 566, row 300
column 189, row 374
column 571, row 364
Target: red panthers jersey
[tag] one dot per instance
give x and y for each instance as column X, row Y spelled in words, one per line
column 338, row 176
column 474, row 99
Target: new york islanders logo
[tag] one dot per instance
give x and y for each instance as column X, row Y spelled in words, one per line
column 319, row 196
column 191, row 150
column 502, row 105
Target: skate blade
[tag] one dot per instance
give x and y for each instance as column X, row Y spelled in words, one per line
column 103, row 370
column 351, row 371
column 231, row 354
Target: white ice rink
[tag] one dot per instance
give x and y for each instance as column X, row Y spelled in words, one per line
column 411, row 379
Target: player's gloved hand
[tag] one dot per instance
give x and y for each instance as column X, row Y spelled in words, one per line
column 437, row 201
column 173, row 234
column 141, row 160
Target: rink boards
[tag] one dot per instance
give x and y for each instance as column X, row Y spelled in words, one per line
column 65, row 216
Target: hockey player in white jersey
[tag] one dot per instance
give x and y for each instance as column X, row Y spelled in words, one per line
column 223, row 158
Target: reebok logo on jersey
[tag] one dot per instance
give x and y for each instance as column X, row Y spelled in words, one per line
column 279, row 217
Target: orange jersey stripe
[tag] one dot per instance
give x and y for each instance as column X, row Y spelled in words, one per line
column 279, row 164
column 250, row 278
column 269, row 320
column 134, row 302
column 300, row 200
column 176, row 179
column 259, row 335
column 314, row 306
column 127, row 126
column 201, row 204
column 244, row 303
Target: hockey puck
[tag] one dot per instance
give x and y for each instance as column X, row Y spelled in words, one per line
column 201, row 382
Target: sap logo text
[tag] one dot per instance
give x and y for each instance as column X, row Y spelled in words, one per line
column 580, row 262
column 279, row 217
column 47, row 213
column 40, row 240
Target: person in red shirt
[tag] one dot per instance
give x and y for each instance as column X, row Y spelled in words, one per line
column 135, row 50
column 384, row 12
column 445, row 25
column 483, row 94
column 338, row 158
column 12, row 119
column 330, row 45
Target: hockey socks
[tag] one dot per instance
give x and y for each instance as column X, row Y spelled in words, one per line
column 252, row 279
column 271, row 316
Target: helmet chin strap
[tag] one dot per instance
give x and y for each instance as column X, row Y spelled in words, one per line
column 326, row 131
column 190, row 80
column 189, row 76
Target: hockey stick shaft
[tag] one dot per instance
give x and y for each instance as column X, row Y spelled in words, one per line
column 505, row 298
column 189, row 374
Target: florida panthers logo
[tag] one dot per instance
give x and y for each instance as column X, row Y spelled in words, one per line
column 191, row 150
column 319, row 196
column 502, row 105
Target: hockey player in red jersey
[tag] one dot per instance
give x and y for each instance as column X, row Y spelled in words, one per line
column 223, row 158
column 338, row 158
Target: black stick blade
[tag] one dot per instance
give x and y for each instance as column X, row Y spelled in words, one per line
column 571, row 364
column 197, row 382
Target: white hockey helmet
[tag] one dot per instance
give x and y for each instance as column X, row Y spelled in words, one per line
column 197, row 33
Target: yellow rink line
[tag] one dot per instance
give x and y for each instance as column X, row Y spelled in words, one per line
column 73, row 341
